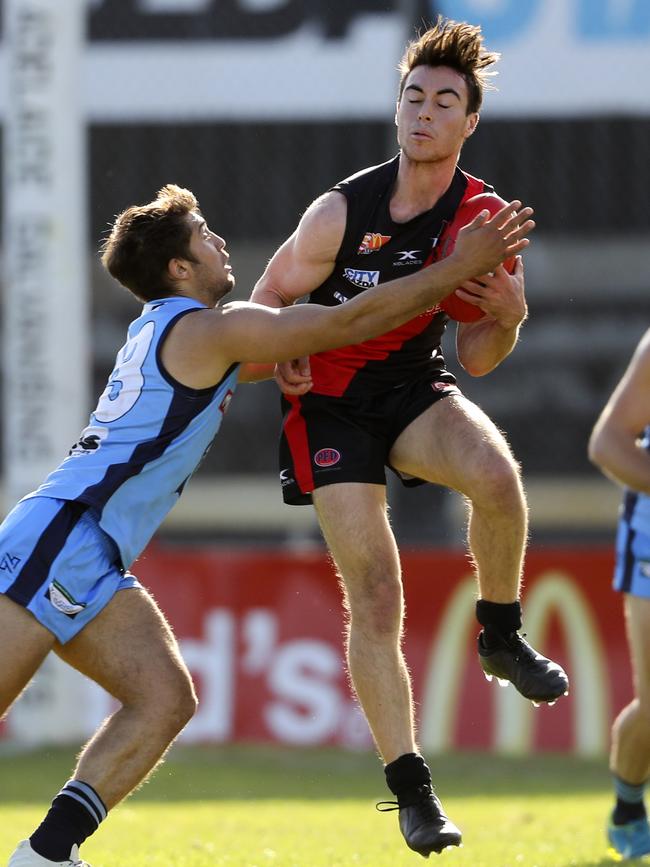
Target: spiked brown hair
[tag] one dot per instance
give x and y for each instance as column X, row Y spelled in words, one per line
column 144, row 238
column 455, row 44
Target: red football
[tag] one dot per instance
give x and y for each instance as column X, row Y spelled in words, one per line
column 455, row 307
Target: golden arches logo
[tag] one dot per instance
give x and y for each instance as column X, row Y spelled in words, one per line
column 553, row 593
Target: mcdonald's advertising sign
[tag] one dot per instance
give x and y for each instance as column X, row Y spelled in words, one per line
column 261, row 632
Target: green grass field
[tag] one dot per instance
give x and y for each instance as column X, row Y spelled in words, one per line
column 258, row 807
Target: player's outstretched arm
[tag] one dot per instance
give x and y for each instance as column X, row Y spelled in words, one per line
column 614, row 443
column 205, row 343
column 249, row 332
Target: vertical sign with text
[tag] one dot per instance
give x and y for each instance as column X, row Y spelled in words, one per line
column 45, row 322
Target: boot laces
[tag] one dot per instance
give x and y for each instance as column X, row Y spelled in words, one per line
column 417, row 797
column 520, row 648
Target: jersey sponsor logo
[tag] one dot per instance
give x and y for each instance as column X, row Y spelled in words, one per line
column 365, row 279
column 372, row 241
column 327, row 457
column 63, row 600
column 8, row 562
column 225, row 403
column 89, row 441
column 408, row 257
column 285, row 478
column 341, row 297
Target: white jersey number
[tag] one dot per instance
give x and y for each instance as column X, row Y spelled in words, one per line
column 126, row 381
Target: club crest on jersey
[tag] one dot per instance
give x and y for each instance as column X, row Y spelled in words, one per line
column 327, row 457
column 372, row 241
column 63, row 601
column 365, row 279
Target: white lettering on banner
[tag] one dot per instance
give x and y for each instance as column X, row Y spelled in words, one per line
column 213, row 660
column 308, row 705
column 553, row 592
column 308, row 708
column 298, row 673
column 45, row 329
column 260, row 634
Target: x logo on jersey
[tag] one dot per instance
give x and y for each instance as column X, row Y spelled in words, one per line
column 407, row 255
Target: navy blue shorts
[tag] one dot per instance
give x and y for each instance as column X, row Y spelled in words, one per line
column 328, row 440
column 59, row 564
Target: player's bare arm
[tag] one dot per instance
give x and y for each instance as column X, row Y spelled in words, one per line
column 482, row 345
column 307, row 258
column 614, row 444
column 203, row 344
column 301, row 264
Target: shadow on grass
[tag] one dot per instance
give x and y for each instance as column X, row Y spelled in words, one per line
column 256, row 772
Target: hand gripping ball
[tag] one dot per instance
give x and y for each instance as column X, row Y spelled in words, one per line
column 453, row 306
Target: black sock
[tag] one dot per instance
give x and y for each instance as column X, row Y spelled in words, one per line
column 625, row 812
column 498, row 619
column 75, row 814
column 406, row 773
column 629, row 802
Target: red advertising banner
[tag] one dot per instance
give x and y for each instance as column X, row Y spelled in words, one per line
column 262, row 634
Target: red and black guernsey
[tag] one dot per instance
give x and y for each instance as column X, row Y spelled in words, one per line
column 376, row 249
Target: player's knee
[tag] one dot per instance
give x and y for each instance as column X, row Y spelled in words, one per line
column 174, row 702
column 185, row 705
column 500, row 486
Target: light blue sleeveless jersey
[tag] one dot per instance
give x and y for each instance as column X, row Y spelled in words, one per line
column 146, row 437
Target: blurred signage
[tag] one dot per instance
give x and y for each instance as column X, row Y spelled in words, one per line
column 285, row 59
column 563, row 57
column 43, row 229
column 225, row 19
column 262, row 634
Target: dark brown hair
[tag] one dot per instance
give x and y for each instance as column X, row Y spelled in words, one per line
column 457, row 45
column 144, row 238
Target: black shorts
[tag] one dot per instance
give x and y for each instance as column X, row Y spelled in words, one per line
column 327, row 440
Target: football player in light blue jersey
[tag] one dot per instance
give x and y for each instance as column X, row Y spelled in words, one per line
column 66, row 548
column 620, row 446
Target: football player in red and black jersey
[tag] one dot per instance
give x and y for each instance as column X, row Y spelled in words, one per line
column 390, row 402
